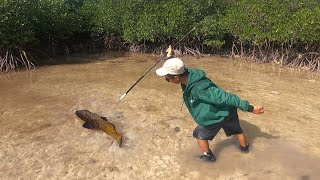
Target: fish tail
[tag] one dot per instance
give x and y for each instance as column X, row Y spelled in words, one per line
column 111, row 130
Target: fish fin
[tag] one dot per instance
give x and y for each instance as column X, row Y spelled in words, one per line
column 87, row 125
column 104, row 118
column 120, row 141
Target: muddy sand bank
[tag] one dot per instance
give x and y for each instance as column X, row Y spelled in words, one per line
column 41, row 138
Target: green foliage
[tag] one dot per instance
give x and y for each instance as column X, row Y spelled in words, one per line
column 16, row 23
column 29, row 22
column 106, row 16
column 274, row 20
column 59, row 20
column 305, row 25
column 26, row 22
column 149, row 20
column 211, row 25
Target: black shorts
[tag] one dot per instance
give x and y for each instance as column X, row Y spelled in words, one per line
column 230, row 125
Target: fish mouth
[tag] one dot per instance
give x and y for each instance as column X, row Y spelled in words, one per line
column 81, row 114
column 78, row 112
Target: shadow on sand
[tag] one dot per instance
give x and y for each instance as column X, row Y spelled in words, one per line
column 251, row 131
column 82, row 58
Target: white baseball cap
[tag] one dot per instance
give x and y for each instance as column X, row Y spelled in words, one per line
column 173, row 66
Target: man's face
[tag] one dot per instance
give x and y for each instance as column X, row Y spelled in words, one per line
column 175, row 79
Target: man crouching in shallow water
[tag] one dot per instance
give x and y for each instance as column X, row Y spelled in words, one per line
column 211, row 107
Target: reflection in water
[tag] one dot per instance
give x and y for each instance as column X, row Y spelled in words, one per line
column 42, row 138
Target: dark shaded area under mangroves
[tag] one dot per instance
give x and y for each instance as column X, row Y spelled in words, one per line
column 286, row 32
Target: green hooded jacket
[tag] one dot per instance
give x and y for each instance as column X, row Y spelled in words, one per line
column 207, row 103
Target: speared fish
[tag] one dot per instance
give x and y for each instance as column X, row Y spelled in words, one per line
column 94, row 121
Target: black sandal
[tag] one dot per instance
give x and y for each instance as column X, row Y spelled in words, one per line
column 244, row 149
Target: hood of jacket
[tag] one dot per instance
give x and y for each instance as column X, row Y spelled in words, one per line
column 194, row 75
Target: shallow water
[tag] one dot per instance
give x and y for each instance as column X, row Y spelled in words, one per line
column 41, row 138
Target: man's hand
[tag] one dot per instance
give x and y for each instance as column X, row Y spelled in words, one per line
column 258, row 110
column 170, row 51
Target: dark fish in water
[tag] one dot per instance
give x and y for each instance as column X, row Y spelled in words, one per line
column 93, row 121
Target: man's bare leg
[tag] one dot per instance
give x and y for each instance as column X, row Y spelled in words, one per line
column 204, row 145
column 242, row 139
column 207, row 154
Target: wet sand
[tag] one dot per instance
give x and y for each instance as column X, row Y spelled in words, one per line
column 41, row 138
